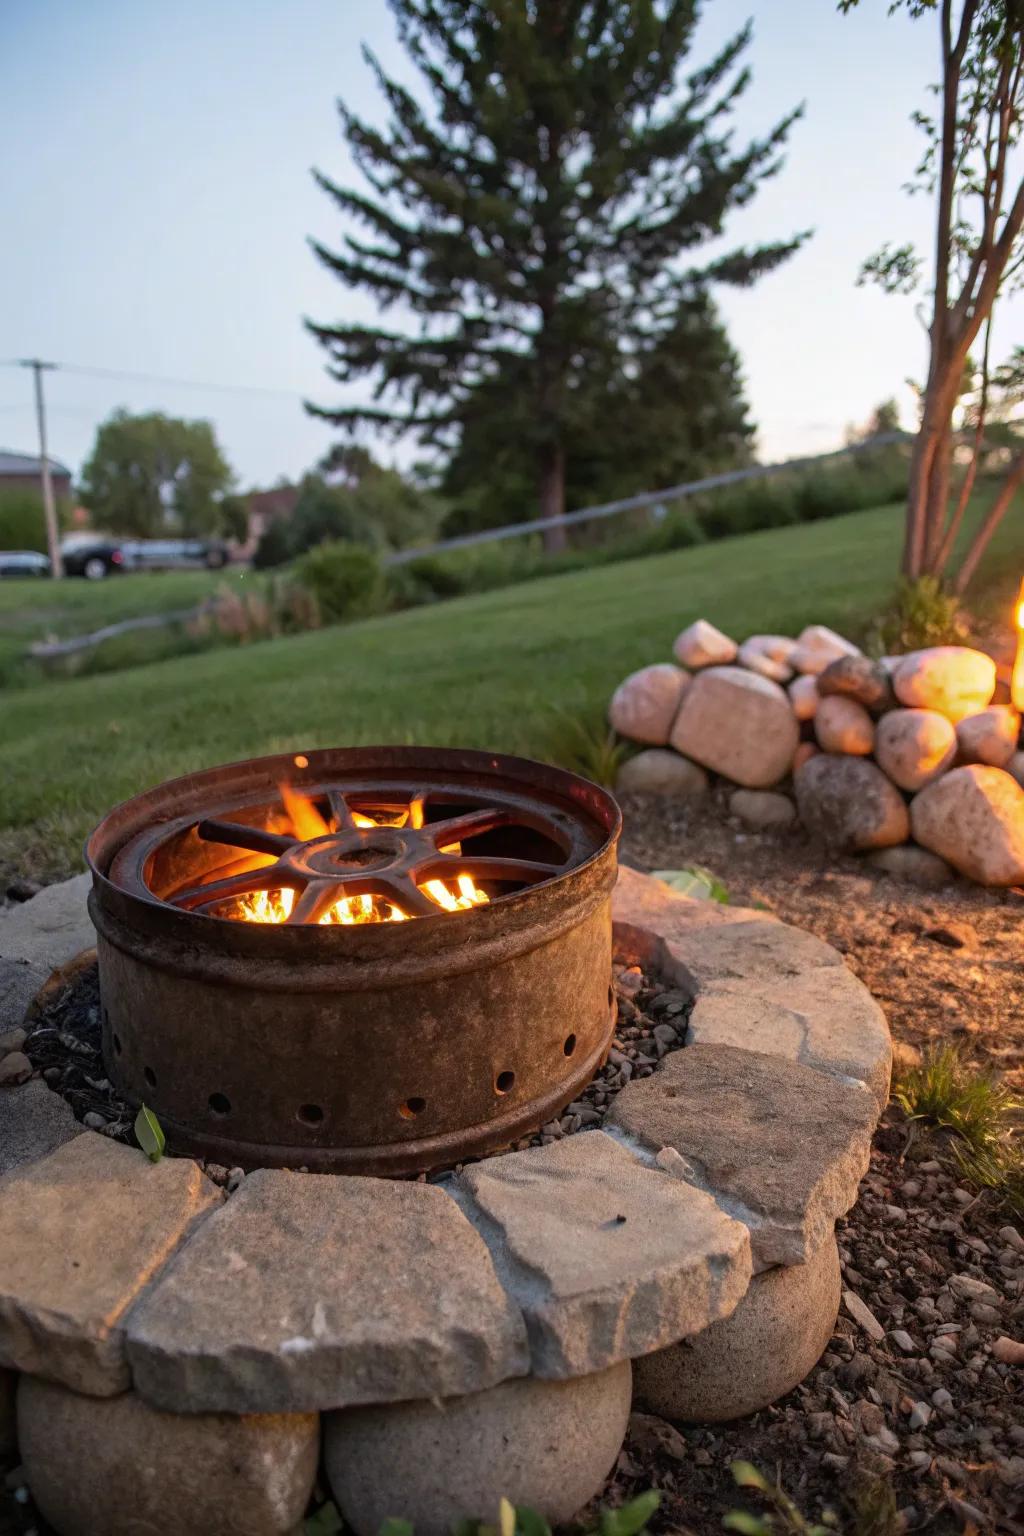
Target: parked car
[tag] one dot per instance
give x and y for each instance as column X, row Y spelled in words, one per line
column 91, row 555
column 174, row 554
column 23, row 562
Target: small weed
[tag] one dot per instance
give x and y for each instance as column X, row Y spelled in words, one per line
column 948, row 1092
column 783, row 1514
column 628, row 1519
column 980, row 1111
column 875, row 1511
column 923, row 614
column 585, row 744
column 999, row 1167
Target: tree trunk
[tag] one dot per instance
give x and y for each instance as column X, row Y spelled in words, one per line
column 917, row 498
column 994, row 516
column 948, row 544
column 937, row 507
column 552, row 495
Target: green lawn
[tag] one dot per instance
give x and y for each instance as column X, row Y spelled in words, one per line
column 42, row 609
column 480, row 671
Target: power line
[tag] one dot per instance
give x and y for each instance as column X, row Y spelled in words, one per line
column 150, row 378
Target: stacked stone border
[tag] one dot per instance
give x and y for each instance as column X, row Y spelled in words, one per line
column 181, row 1357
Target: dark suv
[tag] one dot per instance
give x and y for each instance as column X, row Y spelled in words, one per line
column 91, row 555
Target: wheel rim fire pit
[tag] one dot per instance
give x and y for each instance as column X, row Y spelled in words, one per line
column 369, row 960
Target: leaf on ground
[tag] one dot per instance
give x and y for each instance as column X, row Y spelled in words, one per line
column 694, row 881
column 149, row 1134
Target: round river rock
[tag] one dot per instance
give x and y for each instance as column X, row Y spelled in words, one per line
column 849, row 804
column 545, row 1444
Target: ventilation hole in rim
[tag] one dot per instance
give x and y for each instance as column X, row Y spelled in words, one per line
column 611, row 994
column 150, row 1076
column 569, row 1046
column 220, row 1103
column 412, row 1107
column 310, row 1114
column 118, row 1047
column 504, row 1082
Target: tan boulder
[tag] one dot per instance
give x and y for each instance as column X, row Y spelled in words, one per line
column 775, row 1336
column 849, row 804
column 762, row 808
column 817, row 647
column 751, row 656
column 973, row 817
column 547, row 1445
column 644, row 705
column 990, row 736
column 843, row 725
column 804, row 697
column 660, row 771
column 737, row 724
column 914, row 746
column 1015, row 767
column 860, row 678
column 112, row 1466
column 952, row 679
column 914, row 865
column 702, row 645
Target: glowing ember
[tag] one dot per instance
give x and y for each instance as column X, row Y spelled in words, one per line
column 305, row 822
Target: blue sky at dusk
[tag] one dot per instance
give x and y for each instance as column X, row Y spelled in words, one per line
column 157, row 199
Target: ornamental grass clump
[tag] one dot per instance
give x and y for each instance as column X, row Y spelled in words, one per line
column 981, row 1115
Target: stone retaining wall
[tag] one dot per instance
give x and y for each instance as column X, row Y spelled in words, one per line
column 181, row 1356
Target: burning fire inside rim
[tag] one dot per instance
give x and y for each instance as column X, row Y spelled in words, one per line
column 306, row 823
column 352, row 848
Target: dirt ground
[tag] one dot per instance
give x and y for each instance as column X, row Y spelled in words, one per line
column 946, row 965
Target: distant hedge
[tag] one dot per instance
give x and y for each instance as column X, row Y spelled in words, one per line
column 21, row 520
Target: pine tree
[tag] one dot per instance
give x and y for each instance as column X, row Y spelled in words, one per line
column 541, row 222
column 671, row 412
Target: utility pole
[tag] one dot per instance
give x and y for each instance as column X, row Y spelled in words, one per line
column 49, row 509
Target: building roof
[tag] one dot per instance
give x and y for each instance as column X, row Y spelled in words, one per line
column 12, row 463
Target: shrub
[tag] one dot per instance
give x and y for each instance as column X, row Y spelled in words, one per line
column 21, row 520
column 437, row 576
column 922, row 613
column 586, row 744
column 274, row 547
column 345, row 579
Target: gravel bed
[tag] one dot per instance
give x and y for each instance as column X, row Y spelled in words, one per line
column 64, row 1045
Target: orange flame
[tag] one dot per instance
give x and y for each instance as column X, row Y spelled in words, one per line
column 1017, row 677
column 306, row 823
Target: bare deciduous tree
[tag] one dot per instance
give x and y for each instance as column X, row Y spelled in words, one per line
column 971, row 166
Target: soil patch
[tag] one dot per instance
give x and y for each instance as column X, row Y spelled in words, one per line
column 946, row 966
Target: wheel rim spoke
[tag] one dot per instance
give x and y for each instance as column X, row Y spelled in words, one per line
column 313, row 902
column 235, row 833
column 339, row 807
column 223, row 890
column 527, row 871
column 471, row 824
